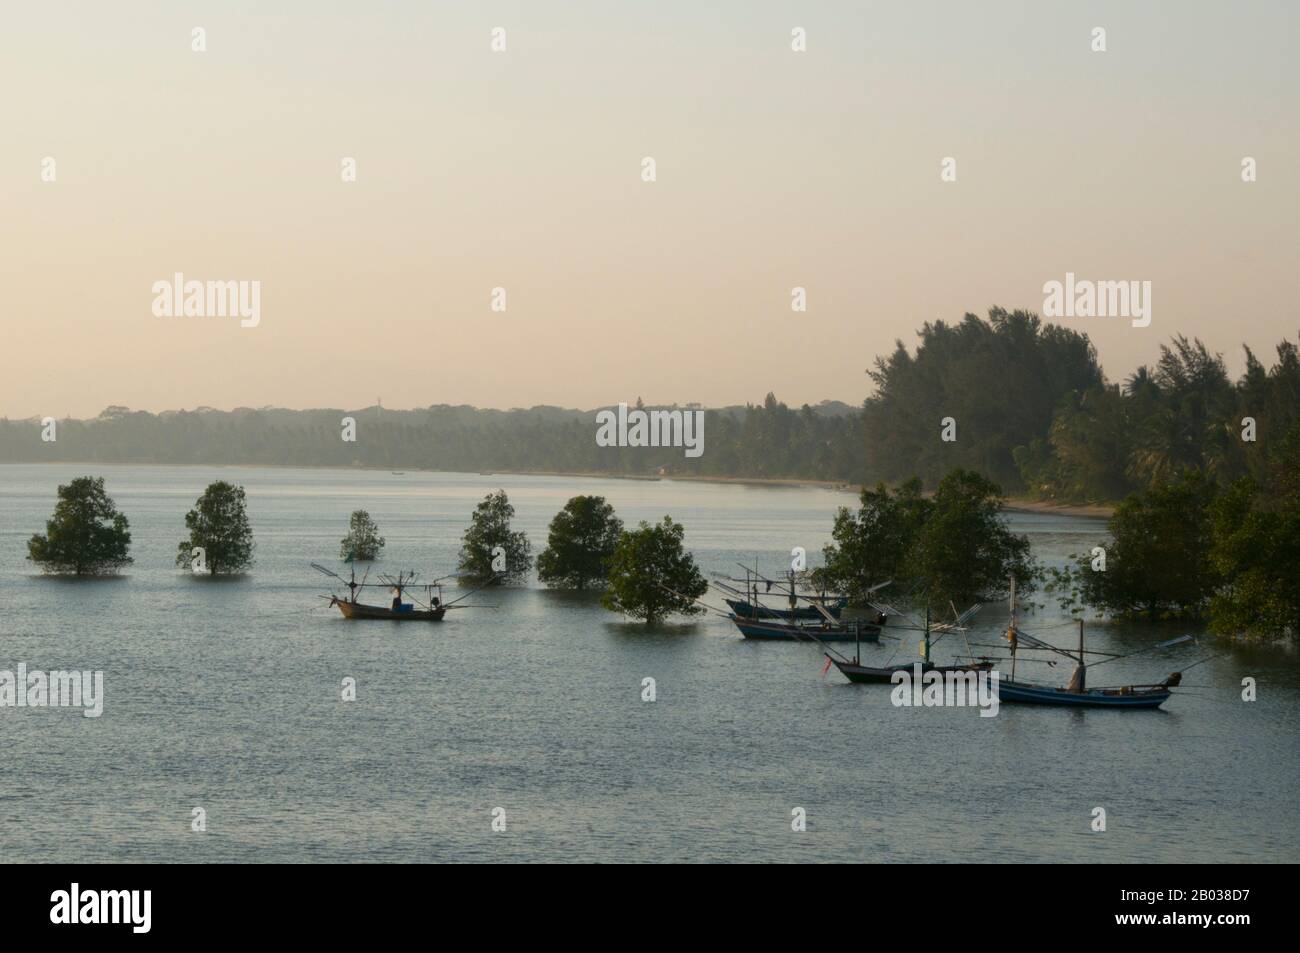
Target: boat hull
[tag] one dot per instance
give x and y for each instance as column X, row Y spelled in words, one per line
column 748, row 610
column 869, row 674
column 358, row 610
column 1141, row 697
column 773, row 631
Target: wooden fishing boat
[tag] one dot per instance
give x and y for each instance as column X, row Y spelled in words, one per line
column 746, row 602
column 359, row 610
column 773, row 630
column 431, row 609
column 1076, row 694
column 829, row 629
column 860, row 674
column 854, row 671
column 751, row 610
column 1123, row 696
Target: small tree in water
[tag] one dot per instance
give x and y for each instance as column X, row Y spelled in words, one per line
column 87, row 535
column 218, row 526
column 651, row 575
column 491, row 553
column 363, row 542
column 965, row 551
column 874, row 544
column 583, row 537
column 1158, row 559
column 952, row 546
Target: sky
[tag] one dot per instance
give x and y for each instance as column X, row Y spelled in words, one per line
column 523, row 170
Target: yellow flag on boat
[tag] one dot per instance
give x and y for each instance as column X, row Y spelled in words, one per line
column 921, row 650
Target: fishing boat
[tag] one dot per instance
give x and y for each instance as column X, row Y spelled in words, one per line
column 856, row 672
column 357, row 610
column 1122, row 696
column 755, row 610
column 432, row 609
column 746, row 603
column 830, row 630
column 1076, row 694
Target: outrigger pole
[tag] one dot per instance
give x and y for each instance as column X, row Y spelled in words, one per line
column 819, row 598
column 699, row 602
column 793, row 595
column 492, row 579
column 1015, row 636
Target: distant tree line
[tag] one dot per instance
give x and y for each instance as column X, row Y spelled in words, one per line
column 768, row 440
column 1029, row 405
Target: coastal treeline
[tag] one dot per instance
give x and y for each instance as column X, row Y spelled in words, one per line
column 1000, row 382
column 1019, row 401
column 766, row 440
column 1200, row 548
column 1033, row 411
column 1203, row 468
column 1185, row 413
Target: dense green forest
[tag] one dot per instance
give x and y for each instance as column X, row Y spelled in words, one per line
column 1030, row 408
column 1034, row 412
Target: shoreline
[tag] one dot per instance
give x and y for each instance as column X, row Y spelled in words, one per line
column 1020, row 504
column 683, row 478
column 1098, row 510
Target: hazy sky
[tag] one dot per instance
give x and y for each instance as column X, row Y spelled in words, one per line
column 522, row 170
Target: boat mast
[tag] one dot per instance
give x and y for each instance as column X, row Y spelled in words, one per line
column 1079, row 680
column 1011, row 635
column 926, row 643
column 1083, row 666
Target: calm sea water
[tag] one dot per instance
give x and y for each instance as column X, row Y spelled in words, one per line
column 226, row 695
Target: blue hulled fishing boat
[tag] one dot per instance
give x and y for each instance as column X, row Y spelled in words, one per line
column 1076, row 694
column 1124, row 696
column 754, row 610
